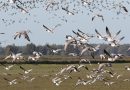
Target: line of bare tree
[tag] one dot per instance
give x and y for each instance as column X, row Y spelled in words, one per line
column 29, row 48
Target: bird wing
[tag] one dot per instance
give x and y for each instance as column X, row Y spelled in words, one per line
column 7, row 57
column 93, row 18
column 117, row 33
column 57, row 26
column 81, row 36
column 20, row 35
column 22, row 68
column 107, row 53
column 66, row 9
column 101, row 66
column 120, row 39
column 83, row 51
column 97, row 47
column 58, row 50
column 50, row 47
column 124, row 8
column 102, row 18
column 16, row 35
column 69, row 37
column 92, row 54
column 18, row 54
column 68, row 42
column 74, row 32
column 47, row 28
column 98, row 32
column 108, row 32
column 26, row 36
column 78, row 34
column 19, row 1
column 22, row 8
column 6, row 79
column 81, row 31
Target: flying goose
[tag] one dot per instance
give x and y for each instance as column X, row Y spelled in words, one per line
column 99, row 36
column 81, row 81
column 22, row 9
column 102, row 56
column 98, row 15
column 85, row 60
column 22, row 33
column 51, row 30
column 57, row 81
column 54, row 51
column 114, row 57
column 14, row 1
column 109, row 36
column 89, row 48
column 69, row 37
column 35, row 56
column 11, row 82
column 7, row 67
column 124, row 8
column 116, row 43
column 109, row 83
column 73, row 69
column 15, row 57
column 102, row 66
column 128, row 49
column 68, row 12
column 72, row 54
column 25, row 71
column 80, row 37
column 83, row 37
column 127, row 68
column 72, row 41
column 30, row 80
column 81, row 65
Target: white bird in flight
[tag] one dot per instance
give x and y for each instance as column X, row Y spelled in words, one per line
column 14, row 1
column 25, row 71
column 24, row 33
column 51, row 30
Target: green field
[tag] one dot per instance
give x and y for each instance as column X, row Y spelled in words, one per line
column 44, row 73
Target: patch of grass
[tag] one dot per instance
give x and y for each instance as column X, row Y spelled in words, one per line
column 44, row 73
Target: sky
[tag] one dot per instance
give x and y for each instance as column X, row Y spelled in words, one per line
column 82, row 20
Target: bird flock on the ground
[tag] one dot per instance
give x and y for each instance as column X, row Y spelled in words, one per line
column 80, row 39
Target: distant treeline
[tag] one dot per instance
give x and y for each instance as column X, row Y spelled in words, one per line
column 29, row 48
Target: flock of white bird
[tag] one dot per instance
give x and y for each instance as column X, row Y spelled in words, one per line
column 79, row 40
column 34, row 57
column 103, row 71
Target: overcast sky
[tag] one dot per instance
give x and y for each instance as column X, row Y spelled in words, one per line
column 82, row 20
